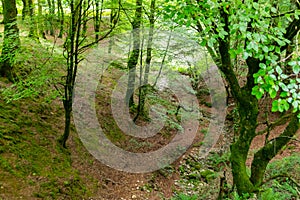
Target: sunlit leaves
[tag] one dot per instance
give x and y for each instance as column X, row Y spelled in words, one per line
column 256, row 31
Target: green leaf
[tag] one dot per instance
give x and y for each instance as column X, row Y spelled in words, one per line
column 265, row 49
column 256, row 6
column 295, row 104
column 296, row 69
column 278, row 70
column 246, row 55
column 275, row 106
column 273, row 10
column 272, row 93
column 258, row 92
column 283, row 86
column 262, row 65
column 203, row 43
column 284, row 94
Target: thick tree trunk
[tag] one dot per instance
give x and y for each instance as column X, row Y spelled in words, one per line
column 11, row 41
column 239, row 151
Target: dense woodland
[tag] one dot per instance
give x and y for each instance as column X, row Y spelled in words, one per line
column 252, row 45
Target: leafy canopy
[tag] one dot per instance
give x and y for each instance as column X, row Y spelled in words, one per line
column 257, row 29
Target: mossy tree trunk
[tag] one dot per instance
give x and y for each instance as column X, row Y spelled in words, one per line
column 11, row 41
column 41, row 20
column 144, row 89
column 134, row 55
column 33, row 31
column 248, row 110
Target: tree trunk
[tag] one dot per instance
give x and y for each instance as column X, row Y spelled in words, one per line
column 134, row 55
column 61, row 17
column 68, row 110
column 11, row 41
column 85, row 17
column 41, row 20
column 50, row 18
column 97, row 18
column 148, row 57
column 25, row 9
column 33, row 25
column 72, row 47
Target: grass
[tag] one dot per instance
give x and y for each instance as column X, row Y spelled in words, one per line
column 31, row 164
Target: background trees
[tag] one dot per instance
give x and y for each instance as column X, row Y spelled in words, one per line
column 253, row 43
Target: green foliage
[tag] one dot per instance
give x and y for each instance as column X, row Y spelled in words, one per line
column 279, row 85
column 35, row 73
column 263, row 42
column 183, row 196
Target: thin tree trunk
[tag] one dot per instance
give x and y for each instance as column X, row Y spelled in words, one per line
column 61, row 17
column 71, row 64
column 97, row 18
column 134, row 55
column 50, row 18
column 24, row 9
column 33, row 26
column 113, row 15
column 41, row 20
column 148, row 57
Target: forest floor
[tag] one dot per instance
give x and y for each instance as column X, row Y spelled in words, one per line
column 33, row 166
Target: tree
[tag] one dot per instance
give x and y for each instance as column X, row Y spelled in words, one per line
column 143, row 90
column 134, row 55
column 25, row 9
column 40, row 19
column 11, row 41
column 50, row 16
column 257, row 33
column 61, row 18
column 33, row 24
column 74, row 47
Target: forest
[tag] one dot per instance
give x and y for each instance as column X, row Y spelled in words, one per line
column 150, row 99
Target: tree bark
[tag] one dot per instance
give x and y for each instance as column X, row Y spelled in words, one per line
column 61, row 17
column 149, row 56
column 25, row 9
column 134, row 55
column 33, row 25
column 11, row 41
column 97, row 18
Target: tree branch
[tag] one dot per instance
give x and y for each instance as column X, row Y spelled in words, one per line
column 279, row 122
